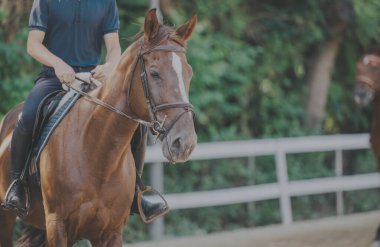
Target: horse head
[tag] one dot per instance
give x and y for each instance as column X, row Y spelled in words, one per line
column 367, row 83
column 160, row 86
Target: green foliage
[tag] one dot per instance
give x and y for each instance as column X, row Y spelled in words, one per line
column 359, row 162
column 362, row 201
column 313, row 207
column 367, row 20
column 16, row 71
column 310, row 165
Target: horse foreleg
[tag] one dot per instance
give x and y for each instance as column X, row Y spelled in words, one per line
column 56, row 231
column 7, row 220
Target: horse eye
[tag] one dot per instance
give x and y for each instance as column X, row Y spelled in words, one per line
column 155, row 74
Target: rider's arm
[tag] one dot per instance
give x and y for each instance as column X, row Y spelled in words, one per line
column 113, row 48
column 38, row 51
column 101, row 72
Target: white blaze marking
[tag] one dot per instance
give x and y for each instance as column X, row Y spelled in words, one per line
column 5, row 144
column 177, row 65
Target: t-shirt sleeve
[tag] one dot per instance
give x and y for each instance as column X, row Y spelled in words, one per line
column 39, row 15
column 111, row 20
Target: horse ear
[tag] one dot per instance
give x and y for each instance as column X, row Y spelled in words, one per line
column 152, row 24
column 187, row 29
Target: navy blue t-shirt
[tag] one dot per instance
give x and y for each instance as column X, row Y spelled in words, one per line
column 74, row 29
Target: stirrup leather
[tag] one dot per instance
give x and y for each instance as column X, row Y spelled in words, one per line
column 148, row 189
column 9, row 206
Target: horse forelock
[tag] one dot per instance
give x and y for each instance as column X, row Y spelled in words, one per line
column 164, row 32
column 170, row 33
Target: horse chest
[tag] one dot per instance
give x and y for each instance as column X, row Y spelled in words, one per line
column 95, row 218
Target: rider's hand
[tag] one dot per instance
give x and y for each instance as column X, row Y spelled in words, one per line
column 101, row 72
column 64, row 72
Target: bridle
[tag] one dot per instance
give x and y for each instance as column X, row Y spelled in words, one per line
column 158, row 127
column 367, row 60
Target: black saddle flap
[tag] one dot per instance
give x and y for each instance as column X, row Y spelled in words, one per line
column 45, row 111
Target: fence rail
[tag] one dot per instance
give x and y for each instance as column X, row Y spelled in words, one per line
column 234, row 149
column 283, row 189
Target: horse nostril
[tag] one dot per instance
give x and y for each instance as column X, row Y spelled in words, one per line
column 176, row 145
column 359, row 95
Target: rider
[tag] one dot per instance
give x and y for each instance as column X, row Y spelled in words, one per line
column 66, row 37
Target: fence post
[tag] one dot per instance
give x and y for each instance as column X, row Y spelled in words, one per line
column 338, row 173
column 282, row 178
column 251, row 181
column 157, row 228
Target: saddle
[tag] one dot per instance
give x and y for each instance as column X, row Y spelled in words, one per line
column 51, row 111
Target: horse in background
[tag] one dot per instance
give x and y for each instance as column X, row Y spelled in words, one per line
column 367, row 90
column 87, row 169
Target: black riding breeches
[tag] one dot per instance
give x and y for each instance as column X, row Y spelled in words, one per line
column 45, row 84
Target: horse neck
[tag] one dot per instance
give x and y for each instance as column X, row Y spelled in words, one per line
column 113, row 132
column 115, row 90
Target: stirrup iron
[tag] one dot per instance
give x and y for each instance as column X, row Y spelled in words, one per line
column 22, row 212
column 148, row 189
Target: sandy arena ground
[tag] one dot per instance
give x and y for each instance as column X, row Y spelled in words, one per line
column 349, row 231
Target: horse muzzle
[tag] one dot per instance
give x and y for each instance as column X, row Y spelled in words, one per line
column 363, row 95
column 178, row 147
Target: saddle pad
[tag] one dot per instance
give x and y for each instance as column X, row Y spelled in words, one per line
column 64, row 107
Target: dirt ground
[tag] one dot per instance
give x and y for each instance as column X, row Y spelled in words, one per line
column 348, row 231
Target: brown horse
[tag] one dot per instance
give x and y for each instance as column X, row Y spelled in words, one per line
column 87, row 169
column 367, row 89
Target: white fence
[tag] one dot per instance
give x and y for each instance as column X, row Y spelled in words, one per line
column 283, row 189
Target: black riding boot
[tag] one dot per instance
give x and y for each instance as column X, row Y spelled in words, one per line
column 20, row 145
column 151, row 210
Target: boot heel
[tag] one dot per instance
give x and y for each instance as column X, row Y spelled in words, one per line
column 21, row 211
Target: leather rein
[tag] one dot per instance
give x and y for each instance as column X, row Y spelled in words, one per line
column 158, row 127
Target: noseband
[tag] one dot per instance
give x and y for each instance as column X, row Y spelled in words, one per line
column 366, row 80
column 158, row 127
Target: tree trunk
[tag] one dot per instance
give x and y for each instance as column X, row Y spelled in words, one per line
column 14, row 11
column 319, row 82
